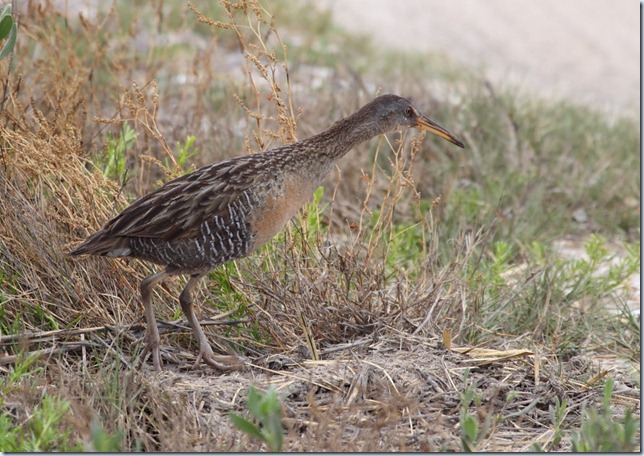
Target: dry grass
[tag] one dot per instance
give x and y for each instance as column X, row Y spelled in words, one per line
column 353, row 312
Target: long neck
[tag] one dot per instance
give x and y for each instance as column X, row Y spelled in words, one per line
column 316, row 155
column 333, row 143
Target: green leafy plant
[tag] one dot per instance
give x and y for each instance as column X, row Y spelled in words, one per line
column 266, row 410
column 104, row 442
column 185, row 151
column 471, row 428
column 45, row 426
column 469, row 432
column 600, row 432
column 542, row 295
column 404, row 246
column 44, row 429
column 114, row 158
column 495, row 267
column 8, row 31
column 314, row 210
column 557, row 413
column 584, row 276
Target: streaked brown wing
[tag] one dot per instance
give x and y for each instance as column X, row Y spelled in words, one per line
column 177, row 209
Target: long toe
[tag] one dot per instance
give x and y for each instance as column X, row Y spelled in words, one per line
column 224, row 362
column 151, row 347
column 221, row 362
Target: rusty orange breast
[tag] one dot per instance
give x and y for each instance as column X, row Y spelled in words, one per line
column 280, row 205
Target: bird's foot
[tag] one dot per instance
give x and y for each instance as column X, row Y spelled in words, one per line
column 221, row 362
column 151, row 346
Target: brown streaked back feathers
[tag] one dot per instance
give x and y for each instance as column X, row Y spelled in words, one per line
column 177, row 209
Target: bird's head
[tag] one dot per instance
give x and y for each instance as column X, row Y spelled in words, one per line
column 392, row 113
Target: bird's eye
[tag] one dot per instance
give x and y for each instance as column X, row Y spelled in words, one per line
column 409, row 111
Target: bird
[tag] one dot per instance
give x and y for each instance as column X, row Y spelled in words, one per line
column 227, row 210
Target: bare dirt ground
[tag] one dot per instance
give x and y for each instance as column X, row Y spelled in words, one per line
column 390, row 395
column 587, row 50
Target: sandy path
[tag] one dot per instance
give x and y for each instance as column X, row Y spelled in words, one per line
column 584, row 49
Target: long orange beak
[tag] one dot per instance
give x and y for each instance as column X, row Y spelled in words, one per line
column 425, row 123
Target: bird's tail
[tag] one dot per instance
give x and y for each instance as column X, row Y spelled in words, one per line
column 105, row 244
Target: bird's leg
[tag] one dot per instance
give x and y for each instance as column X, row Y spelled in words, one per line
column 152, row 337
column 221, row 362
